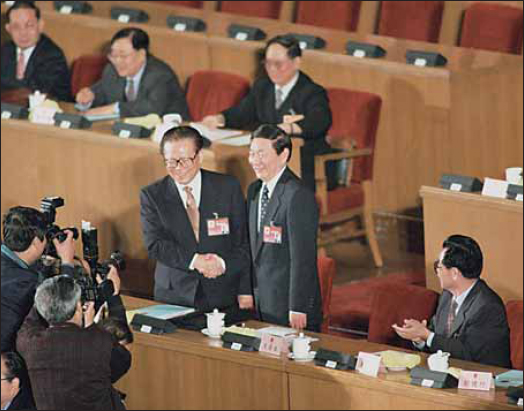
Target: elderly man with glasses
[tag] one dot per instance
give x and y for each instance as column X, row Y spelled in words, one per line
column 470, row 322
column 194, row 226
column 135, row 83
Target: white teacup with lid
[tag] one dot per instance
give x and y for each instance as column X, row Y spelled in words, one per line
column 215, row 322
column 301, row 346
column 439, row 361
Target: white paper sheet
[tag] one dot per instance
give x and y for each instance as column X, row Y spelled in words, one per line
column 214, row 135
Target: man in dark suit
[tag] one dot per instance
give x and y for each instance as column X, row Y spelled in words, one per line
column 16, row 392
column 24, row 242
column 32, row 61
column 194, row 226
column 283, row 222
column 470, row 322
column 288, row 98
column 135, row 83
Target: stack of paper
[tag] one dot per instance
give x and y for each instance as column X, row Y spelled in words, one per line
column 162, row 312
column 215, row 135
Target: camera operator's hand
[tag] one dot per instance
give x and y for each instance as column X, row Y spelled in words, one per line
column 113, row 276
column 66, row 248
column 89, row 313
column 209, row 265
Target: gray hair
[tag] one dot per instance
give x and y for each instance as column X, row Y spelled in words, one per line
column 56, row 299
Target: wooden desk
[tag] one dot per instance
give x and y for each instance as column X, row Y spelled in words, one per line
column 495, row 224
column 100, row 176
column 187, row 370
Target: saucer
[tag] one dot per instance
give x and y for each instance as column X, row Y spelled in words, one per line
column 216, row 337
column 397, row 369
column 310, row 357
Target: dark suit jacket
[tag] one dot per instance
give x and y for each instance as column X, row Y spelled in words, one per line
column 71, row 368
column 480, row 332
column 46, row 70
column 170, row 240
column 23, row 400
column 159, row 91
column 286, row 277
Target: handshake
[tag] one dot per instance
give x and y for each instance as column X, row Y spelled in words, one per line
column 209, row 265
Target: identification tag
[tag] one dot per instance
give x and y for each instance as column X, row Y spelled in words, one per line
column 218, row 227
column 272, row 235
column 272, row 344
column 368, row 364
column 480, row 381
column 236, row 346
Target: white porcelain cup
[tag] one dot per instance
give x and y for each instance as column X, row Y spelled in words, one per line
column 175, row 119
column 301, row 347
column 439, row 361
column 514, row 175
column 215, row 322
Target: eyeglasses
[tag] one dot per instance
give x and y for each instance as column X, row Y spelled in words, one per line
column 114, row 57
column 437, row 266
column 8, row 379
column 277, row 65
column 184, row 162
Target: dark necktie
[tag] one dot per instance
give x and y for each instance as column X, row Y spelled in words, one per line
column 263, row 207
column 130, row 91
column 451, row 315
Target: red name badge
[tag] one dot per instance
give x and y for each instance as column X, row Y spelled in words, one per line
column 218, row 227
column 274, row 345
column 470, row 380
column 272, row 235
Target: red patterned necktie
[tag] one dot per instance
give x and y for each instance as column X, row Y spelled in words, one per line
column 451, row 315
column 192, row 211
column 20, row 66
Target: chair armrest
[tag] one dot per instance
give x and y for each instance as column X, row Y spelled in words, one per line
column 324, row 158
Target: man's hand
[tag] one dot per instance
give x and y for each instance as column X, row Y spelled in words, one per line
column 66, row 248
column 209, row 265
column 298, row 321
column 413, row 330
column 88, row 310
column 113, row 276
column 85, row 96
column 109, row 109
column 214, row 122
column 246, row 302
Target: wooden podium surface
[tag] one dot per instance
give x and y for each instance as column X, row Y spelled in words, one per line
column 187, row 370
column 496, row 224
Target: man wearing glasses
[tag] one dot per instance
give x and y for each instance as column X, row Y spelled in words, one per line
column 16, row 394
column 288, row 98
column 470, row 322
column 32, row 61
column 135, row 83
column 194, row 226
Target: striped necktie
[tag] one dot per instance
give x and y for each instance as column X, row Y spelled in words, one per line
column 130, row 91
column 451, row 315
column 20, row 66
column 192, row 212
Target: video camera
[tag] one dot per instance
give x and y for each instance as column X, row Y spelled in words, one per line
column 48, row 206
column 91, row 290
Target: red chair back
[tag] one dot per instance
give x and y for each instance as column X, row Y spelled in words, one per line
column 86, row 70
column 265, row 9
column 412, row 20
column 191, row 4
column 356, row 116
column 210, row 92
column 514, row 312
column 327, row 270
column 494, row 27
column 394, row 303
column 341, row 15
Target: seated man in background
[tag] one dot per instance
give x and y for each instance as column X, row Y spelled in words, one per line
column 470, row 322
column 32, row 61
column 16, row 394
column 72, row 362
column 135, row 83
column 288, row 98
column 194, row 225
column 24, row 242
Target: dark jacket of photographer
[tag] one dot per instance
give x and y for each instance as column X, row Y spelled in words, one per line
column 19, row 284
column 72, row 368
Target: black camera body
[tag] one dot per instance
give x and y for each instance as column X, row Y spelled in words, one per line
column 48, row 206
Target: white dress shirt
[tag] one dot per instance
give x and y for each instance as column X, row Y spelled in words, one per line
column 288, row 87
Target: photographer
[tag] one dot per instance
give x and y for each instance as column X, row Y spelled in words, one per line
column 72, row 362
column 24, row 242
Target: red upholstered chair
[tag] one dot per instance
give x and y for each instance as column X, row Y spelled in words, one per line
column 495, row 27
column 86, row 70
column 394, row 303
column 192, row 4
column 514, row 312
column 412, row 20
column 351, row 303
column 327, row 270
column 355, row 122
column 265, row 9
column 210, row 92
column 341, row 15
